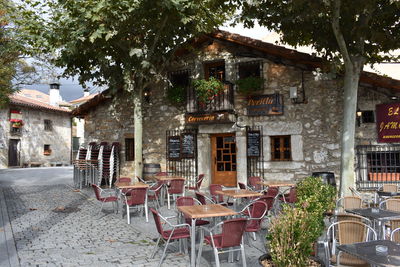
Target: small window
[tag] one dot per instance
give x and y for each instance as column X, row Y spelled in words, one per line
column 180, row 78
column 48, row 125
column 129, row 149
column 368, row 116
column 281, row 148
column 47, row 150
column 215, row 69
column 75, row 143
column 249, row 69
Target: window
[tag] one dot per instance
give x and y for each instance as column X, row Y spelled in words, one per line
column 180, row 78
column 385, row 161
column 215, row 69
column 129, row 149
column 368, row 116
column 75, row 143
column 48, row 125
column 248, row 69
column 47, row 150
column 281, row 148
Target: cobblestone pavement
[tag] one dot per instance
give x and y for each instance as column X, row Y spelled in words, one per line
column 53, row 225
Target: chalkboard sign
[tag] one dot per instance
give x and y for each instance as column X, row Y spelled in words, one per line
column 174, row 148
column 187, row 145
column 253, row 144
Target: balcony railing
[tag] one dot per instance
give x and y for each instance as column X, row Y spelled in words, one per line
column 223, row 102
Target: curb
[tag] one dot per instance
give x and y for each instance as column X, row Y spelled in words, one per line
column 7, row 244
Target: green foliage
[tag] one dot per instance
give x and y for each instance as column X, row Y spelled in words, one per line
column 293, row 232
column 206, row 90
column 249, row 85
column 176, row 95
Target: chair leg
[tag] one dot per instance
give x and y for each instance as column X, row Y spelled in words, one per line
column 216, row 257
column 165, row 250
column 200, row 248
column 155, row 248
column 169, row 203
column 128, row 215
column 146, row 211
column 243, row 255
column 254, row 236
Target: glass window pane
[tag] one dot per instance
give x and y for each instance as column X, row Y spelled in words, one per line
column 219, row 142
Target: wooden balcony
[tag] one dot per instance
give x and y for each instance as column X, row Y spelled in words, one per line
column 223, row 102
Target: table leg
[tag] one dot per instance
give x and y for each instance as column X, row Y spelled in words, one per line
column 193, row 244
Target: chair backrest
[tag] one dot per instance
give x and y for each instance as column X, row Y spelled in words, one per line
column 272, row 191
column 395, row 236
column 137, row 196
column 97, row 192
column 389, row 188
column 199, row 180
column 352, row 217
column 257, row 210
column 200, row 197
column 242, row 185
column 185, row 201
column 156, row 187
column 216, row 197
column 292, row 195
column 162, row 174
column 124, row 179
column 157, row 221
column 176, row 186
column 349, row 202
column 232, row 232
column 390, row 204
column 268, row 200
column 253, row 181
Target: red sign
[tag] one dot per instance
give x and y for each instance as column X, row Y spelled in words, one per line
column 388, row 122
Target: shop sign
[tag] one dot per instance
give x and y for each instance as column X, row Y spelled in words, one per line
column 388, row 122
column 265, row 105
column 216, row 117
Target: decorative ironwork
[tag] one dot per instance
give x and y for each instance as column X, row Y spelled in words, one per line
column 186, row 164
column 377, row 165
column 255, row 161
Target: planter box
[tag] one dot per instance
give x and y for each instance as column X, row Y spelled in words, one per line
column 384, row 176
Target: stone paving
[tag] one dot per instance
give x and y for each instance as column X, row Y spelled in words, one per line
column 53, row 225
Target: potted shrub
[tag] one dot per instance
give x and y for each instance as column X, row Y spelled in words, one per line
column 176, row 95
column 249, row 85
column 294, row 231
column 17, row 124
column 207, row 90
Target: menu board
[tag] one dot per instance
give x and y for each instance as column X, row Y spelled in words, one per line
column 174, row 147
column 187, row 145
column 253, row 144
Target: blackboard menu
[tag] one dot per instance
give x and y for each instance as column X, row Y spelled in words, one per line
column 187, row 145
column 174, row 147
column 253, row 144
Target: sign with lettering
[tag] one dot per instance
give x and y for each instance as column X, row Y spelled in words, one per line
column 388, row 122
column 216, row 117
column 174, row 147
column 265, row 105
column 253, row 144
column 187, row 145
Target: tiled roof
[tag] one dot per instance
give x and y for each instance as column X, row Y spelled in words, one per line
column 83, row 99
column 39, row 96
column 20, row 100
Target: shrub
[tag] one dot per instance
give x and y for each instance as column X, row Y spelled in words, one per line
column 176, row 95
column 249, row 85
column 206, row 90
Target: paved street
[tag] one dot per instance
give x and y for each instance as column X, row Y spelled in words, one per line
column 54, row 225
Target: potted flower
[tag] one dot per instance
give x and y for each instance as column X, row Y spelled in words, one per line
column 249, row 85
column 17, row 124
column 207, row 90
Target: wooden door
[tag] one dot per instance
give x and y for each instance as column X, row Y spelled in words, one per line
column 13, row 153
column 223, row 157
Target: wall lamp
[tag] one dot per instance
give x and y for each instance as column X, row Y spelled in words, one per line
column 294, row 95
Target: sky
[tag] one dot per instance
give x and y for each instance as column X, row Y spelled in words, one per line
column 70, row 88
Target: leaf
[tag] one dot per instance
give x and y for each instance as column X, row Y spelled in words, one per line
column 135, row 51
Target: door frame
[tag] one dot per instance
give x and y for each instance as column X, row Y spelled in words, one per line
column 213, row 153
column 18, row 152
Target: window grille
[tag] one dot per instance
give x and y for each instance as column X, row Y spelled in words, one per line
column 48, row 125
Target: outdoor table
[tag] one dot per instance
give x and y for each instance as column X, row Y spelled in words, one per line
column 378, row 215
column 202, row 211
column 276, row 184
column 238, row 193
column 126, row 185
column 379, row 195
column 369, row 252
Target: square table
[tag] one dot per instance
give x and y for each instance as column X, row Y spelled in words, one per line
column 238, row 193
column 276, row 184
column 202, row 211
column 377, row 215
column 367, row 252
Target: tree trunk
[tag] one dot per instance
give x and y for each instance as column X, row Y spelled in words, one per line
column 351, row 80
column 138, row 117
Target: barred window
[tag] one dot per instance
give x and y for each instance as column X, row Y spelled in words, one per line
column 48, row 125
column 129, row 149
column 281, row 148
column 249, row 69
column 47, row 150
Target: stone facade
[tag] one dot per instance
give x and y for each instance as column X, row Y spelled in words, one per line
column 33, row 137
column 314, row 125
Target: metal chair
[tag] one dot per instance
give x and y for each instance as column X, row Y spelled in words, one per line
column 111, row 197
column 290, row 197
column 189, row 201
column 199, row 180
column 255, row 212
column 272, row 191
column 346, row 232
column 395, row 232
column 176, row 187
column 135, row 197
column 217, row 198
column 203, row 198
column 177, row 232
column 390, row 204
column 124, row 180
column 231, row 236
column 351, row 217
column 254, row 183
column 349, row 202
column 154, row 191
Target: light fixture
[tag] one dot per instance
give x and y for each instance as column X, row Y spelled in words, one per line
column 146, row 94
column 359, row 112
column 358, row 116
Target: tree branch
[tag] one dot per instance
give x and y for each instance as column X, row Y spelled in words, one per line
column 338, row 33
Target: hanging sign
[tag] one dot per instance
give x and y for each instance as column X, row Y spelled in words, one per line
column 174, row 148
column 253, row 144
column 187, row 145
column 209, row 118
column 265, row 105
column 388, row 122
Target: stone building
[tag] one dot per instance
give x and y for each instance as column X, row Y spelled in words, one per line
column 287, row 130
column 33, row 132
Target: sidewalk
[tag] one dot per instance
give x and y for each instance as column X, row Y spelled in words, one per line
column 55, row 226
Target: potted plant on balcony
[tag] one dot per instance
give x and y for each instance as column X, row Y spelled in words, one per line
column 249, row 85
column 293, row 233
column 176, row 94
column 17, row 124
column 207, row 90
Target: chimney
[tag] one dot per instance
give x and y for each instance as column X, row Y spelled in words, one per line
column 54, row 93
column 86, row 92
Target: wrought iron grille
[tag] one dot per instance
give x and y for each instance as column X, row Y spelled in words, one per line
column 184, row 165
column 377, row 165
column 255, row 165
